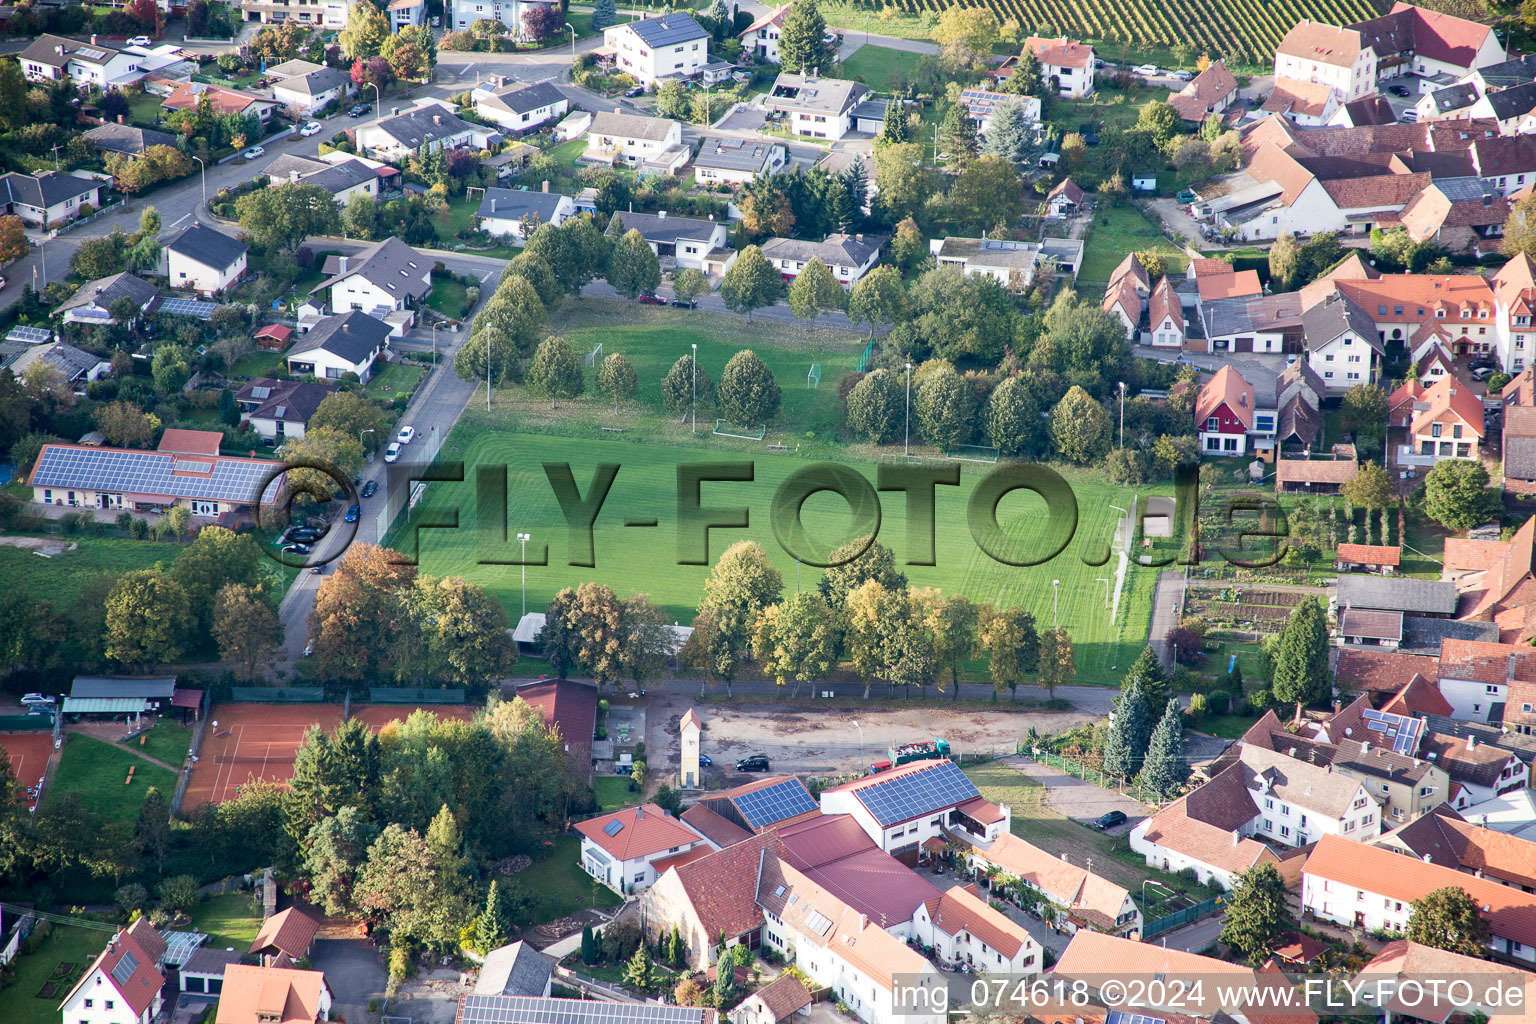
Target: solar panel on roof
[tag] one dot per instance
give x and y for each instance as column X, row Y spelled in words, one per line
column 117, row 470
column 188, row 307
column 480, row 1009
column 30, row 335
column 614, row 827
column 1403, row 731
column 907, row 796
column 125, row 968
column 774, row 803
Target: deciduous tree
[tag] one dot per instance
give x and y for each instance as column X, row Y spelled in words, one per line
column 617, row 380
column 1012, row 645
column 148, row 618
column 946, row 410
column 336, row 849
column 877, row 298
column 814, row 291
column 748, row 393
column 1058, row 662
column 633, row 268
column 876, row 407
column 245, row 626
column 684, row 384
column 282, row 217
column 554, row 372
column 1258, row 916
column 1457, row 495
column 126, row 425
column 857, row 562
column 1369, row 488
column 352, row 414
column 688, row 284
column 796, row 640
column 1080, row 427
column 751, row 283
column 1450, row 919
column 367, row 28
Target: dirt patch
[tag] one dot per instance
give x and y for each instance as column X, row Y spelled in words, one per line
column 1082, row 801
column 44, row 544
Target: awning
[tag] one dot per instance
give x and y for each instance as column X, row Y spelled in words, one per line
column 187, row 699
column 104, row 705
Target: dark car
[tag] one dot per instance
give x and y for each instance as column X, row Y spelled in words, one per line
column 680, row 304
column 1398, row 90
column 370, row 488
column 635, row 90
column 352, row 513
column 705, row 761
column 652, row 300
column 358, row 109
column 755, row 763
column 302, row 535
column 318, row 570
column 296, row 549
column 1109, row 820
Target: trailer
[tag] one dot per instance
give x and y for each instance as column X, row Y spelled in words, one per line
column 923, row 750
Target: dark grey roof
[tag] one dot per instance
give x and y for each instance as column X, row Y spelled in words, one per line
column 837, row 250
column 1300, row 377
column 668, row 30
column 148, row 687
column 662, row 229
column 1336, row 314
column 72, row 362
column 521, row 98
column 815, row 94
column 1251, row 313
column 291, row 401
column 1507, row 103
column 390, row 264
column 870, row 109
column 515, row 204
column 735, row 154
column 1465, row 188
column 1510, row 73
column 1435, row 597
column 1369, row 111
column 1520, row 457
column 353, row 336
column 104, row 291
column 127, row 138
column 318, row 81
column 1487, row 733
column 1300, row 419
column 1423, row 635
column 514, row 970
column 336, row 178
column 1379, row 763
column 421, row 125
column 1454, row 98
column 45, row 50
column 46, row 189
column 287, row 163
column 211, row 962
column 209, row 247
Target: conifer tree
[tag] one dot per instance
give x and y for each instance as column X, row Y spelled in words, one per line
column 1165, row 770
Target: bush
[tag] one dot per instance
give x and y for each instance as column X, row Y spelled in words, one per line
column 1218, row 702
column 1199, row 707
column 1261, row 700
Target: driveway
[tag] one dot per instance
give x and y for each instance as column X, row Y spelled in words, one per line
column 1165, row 613
column 1175, row 216
column 1081, row 801
column 355, row 972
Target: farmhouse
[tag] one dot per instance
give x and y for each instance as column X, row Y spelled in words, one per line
column 1427, row 43
column 1450, row 426
column 902, row 808
column 204, row 260
column 1207, row 829
column 1446, row 838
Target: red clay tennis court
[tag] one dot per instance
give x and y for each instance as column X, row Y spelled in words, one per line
column 251, row 741
column 28, row 754
column 379, row 715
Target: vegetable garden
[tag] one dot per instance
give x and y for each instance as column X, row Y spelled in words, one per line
column 1244, row 30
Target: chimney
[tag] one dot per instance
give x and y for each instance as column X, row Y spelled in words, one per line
column 545, row 188
column 346, row 327
column 394, row 110
column 1365, row 747
column 1471, row 742
column 1237, row 837
column 341, row 264
column 121, row 119
column 1066, row 858
column 1426, row 858
column 863, row 921
column 437, row 118
column 639, row 813
column 93, row 38
column 59, row 50
column 1338, row 706
column 293, row 177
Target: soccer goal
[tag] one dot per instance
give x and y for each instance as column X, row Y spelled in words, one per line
column 972, row 453
column 813, row 379
column 592, row 356
column 725, row 429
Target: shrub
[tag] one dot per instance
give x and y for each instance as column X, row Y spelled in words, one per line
column 1199, row 707
column 1261, row 700
column 1218, row 702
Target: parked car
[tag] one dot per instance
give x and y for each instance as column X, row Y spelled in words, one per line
column 392, row 452
column 634, row 90
column 140, row 41
column 297, row 549
column 313, row 128
column 40, row 699
column 1408, row 116
column 679, row 303
column 352, row 513
column 318, row 570
column 405, row 435
column 1187, row 195
column 255, row 152
column 755, row 763
column 1109, row 820
column 1482, row 373
column 1183, row 75
column 303, row 534
column 1145, row 69
column 705, row 761
column 1399, row 90
column 370, row 488
column 652, row 300
column 358, row 109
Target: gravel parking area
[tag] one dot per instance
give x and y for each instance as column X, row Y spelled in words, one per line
column 1081, row 801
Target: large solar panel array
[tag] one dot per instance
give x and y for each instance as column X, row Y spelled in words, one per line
column 1403, row 731
column 537, row 1010
column 907, row 796
column 119, row 471
column 125, row 968
column 981, row 102
column 179, row 947
column 774, row 803
column 30, row 335
column 1120, row 1017
column 188, row 307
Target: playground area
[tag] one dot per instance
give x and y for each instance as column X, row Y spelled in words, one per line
column 28, row 754
column 251, row 741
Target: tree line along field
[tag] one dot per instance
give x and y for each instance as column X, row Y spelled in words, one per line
column 645, row 558
column 1246, row 29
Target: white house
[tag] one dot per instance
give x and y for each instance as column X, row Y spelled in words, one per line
column 1342, row 343
column 849, row 257
column 1371, row 887
column 761, row 38
column 51, row 58
column 1479, row 772
column 273, row 995
column 733, row 161
column 902, row 808
column 1066, row 62
column 339, row 345
column 687, row 241
column 304, row 86
column 464, row 13
column 92, row 302
column 324, row 13
column 1474, row 675
column 506, row 211
column 342, row 178
column 520, row 106
column 981, row 105
column 963, row 929
column 430, row 126
column 1165, row 316
column 122, row 986
column 824, row 108
column 49, row 197
column 407, row 14
column 1299, row 802
column 648, row 143
column 388, row 276
column 629, row 849
column 671, row 46
column 204, row 260
column 1325, row 55
column 280, row 409
column 1010, row 263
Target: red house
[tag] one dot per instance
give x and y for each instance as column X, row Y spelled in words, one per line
column 1224, row 414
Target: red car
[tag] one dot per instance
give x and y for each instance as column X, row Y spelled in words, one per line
column 652, row 300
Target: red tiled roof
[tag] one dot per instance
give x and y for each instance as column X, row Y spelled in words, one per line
column 1419, row 697
column 190, row 442
column 1233, row 285
column 1381, row 671
column 785, row 995
column 982, row 810
column 1068, row 189
column 1446, row 838
column 1229, row 388
column 686, row 857
column 291, row 931
column 270, row 995
column 1317, row 471
column 1450, row 401
column 720, row 887
column 572, row 707
column 1165, row 304
column 148, row 939
column 186, row 96
column 643, row 831
column 142, row 985
column 1485, row 662
column 1444, row 37
column 1203, row 92
column 961, row 909
column 277, row 331
column 1370, row 554
column 1326, row 44
column 1061, row 52
column 716, row 829
column 1077, row 889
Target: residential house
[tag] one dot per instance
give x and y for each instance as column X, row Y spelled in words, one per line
column 686, row 241
column 1083, row 898
column 1313, row 57
column 1299, row 393
column 505, row 211
column 190, row 95
column 93, row 63
column 981, row 105
column 520, row 106
column 280, row 409
column 1402, row 961
column 304, row 87
column 761, row 38
column 629, row 849
column 406, row 14
column 1226, row 414
column 1065, row 199
column 776, row 1002
column 1370, row 627
column 464, row 13
column 204, row 260
column 331, row 14
column 1519, row 449
column 388, row 276
column 273, row 995
column 1342, row 343
column 1217, row 279
column 849, row 257
column 1447, row 838
column 478, row 1009
column 962, row 928
column 671, row 46
column 1478, row 771
column 1495, row 583
column 651, row 144
column 1372, row 887
column 904, row 807
column 734, row 161
column 203, row 972
column 1462, row 215
column 1311, row 104
column 343, row 179
column 755, row 807
column 1012, row 264
column 821, row 108
column 1212, row 91
column 126, row 139
column 1397, row 593
column 1165, row 316
column 429, row 126
column 93, row 301
column 48, row 198
column 1298, row 802
column 1360, row 113
column 1403, row 786
column 1207, row 829
column 1427, row 43
column 1066, row 65
column 338, row 345
column 1450, row 426
column 121, row 986
column 1125, row 297
column 516, row 969
column 1512, row 108
column 1379, row 673
column 77, row 366
column 289, row 933
column 1250, row 323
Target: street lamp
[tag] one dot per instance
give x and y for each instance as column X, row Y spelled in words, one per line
column 695, row 388
column 434, row 344
column 378, row 102
column 360, row 434
column 1122, row 414
column 204, row 168
column 1056, row 603
column 573, row 40
column 522, row 539
column 859, row 727
column 906, row 439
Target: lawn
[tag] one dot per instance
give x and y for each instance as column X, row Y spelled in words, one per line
column 395, row 379
column 68, row 944
column 260, row 363
column 229, row 920
column 568, row 153
column 559, row 885
column 874, row 65
column 59, row 579
column 168, row 741
column 613, row 792
column 646, row 488
column 458, row 215
column 1118, row 230
column 448, row 296
column 96, row 772
column 144, row 109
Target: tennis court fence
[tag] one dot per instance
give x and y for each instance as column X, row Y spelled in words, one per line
column 411, row 695
column 277, row 694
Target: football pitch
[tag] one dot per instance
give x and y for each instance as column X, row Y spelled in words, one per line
column 645, row 558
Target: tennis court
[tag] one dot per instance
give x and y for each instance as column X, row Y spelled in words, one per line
column 251, row 741
column 28, row 754
column 379, row 715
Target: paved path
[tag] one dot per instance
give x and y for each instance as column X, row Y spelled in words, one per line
column 1165, row 618
column 854, row 38
column 1193, row 938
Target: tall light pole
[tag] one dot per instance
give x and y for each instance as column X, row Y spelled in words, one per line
column 522, row 539
column 204, row 168
column 695, row 388
column 1056, row 603
column 434, row 345
column 906, row 439
column 360, row 434
column 859, row 727
column 573, row 40
column 1122, row 414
